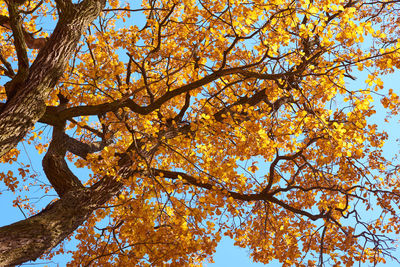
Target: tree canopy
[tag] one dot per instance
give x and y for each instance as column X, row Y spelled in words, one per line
column 197, row 120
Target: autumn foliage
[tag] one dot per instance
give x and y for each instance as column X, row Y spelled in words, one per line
column 204, row 119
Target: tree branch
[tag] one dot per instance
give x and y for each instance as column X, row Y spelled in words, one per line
column 82, row 149
column 27, row 106
column 55, row 167
column 28, row 239
column 239, row 196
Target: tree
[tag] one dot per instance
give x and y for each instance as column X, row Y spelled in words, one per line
column 209, row 118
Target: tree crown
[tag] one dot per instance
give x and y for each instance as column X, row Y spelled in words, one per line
column 199, row 119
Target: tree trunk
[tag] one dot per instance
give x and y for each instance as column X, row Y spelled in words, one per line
column 27, row 106
column 28, row 239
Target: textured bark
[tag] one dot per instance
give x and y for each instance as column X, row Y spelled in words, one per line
column 27, row 104
column 28, row 239
column 55, row 167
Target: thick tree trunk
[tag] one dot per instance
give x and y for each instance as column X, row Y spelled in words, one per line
column 26, row 106
column 28, row 239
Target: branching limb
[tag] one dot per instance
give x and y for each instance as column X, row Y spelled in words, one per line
column 15, row 25
column 30, row 238
column 20, row 113
column 82, row 149
column 30, row 41
column 8, row 70
column 238, row 196
column 55, row 167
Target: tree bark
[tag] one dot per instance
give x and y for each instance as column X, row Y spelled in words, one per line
column 26, row 106
column 55, row 167
column 28, row 239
